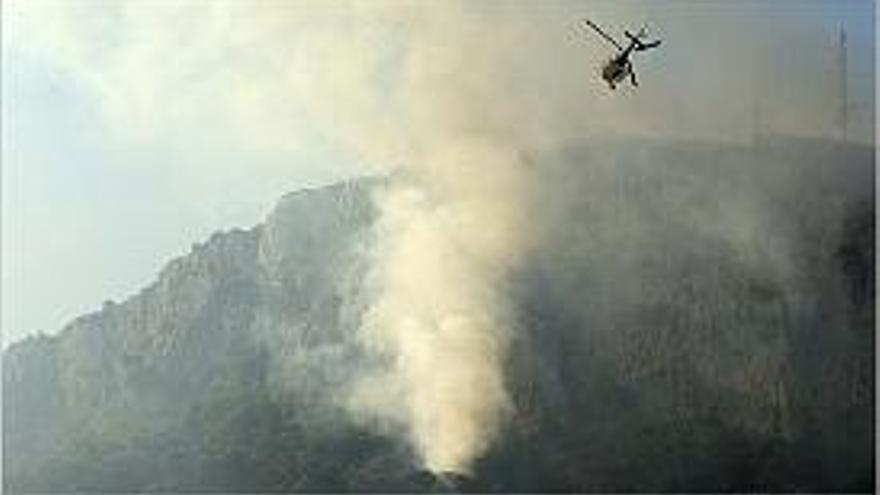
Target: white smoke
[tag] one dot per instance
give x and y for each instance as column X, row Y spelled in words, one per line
column 442, row 322
column 453, row 226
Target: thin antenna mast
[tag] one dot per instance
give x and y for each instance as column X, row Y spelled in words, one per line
column 843, row 96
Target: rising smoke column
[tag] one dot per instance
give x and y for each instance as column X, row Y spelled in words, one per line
column 452, row 228
column 442, row 317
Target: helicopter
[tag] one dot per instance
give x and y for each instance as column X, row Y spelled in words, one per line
column 617, row 68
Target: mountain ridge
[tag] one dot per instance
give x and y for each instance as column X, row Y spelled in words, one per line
column 226, row 373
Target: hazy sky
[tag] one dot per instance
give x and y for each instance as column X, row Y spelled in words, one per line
column 133, row 129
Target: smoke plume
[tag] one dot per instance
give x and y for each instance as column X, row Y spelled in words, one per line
column 452, row 229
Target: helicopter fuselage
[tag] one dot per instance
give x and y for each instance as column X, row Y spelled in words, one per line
column 616, row 70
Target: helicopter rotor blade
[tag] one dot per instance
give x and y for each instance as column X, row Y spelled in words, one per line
column 602, row 33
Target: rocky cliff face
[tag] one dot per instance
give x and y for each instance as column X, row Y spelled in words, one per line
column 700, row 322
column 695, row 317
column 248, row 322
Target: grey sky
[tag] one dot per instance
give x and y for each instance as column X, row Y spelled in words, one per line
column 133, row 129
